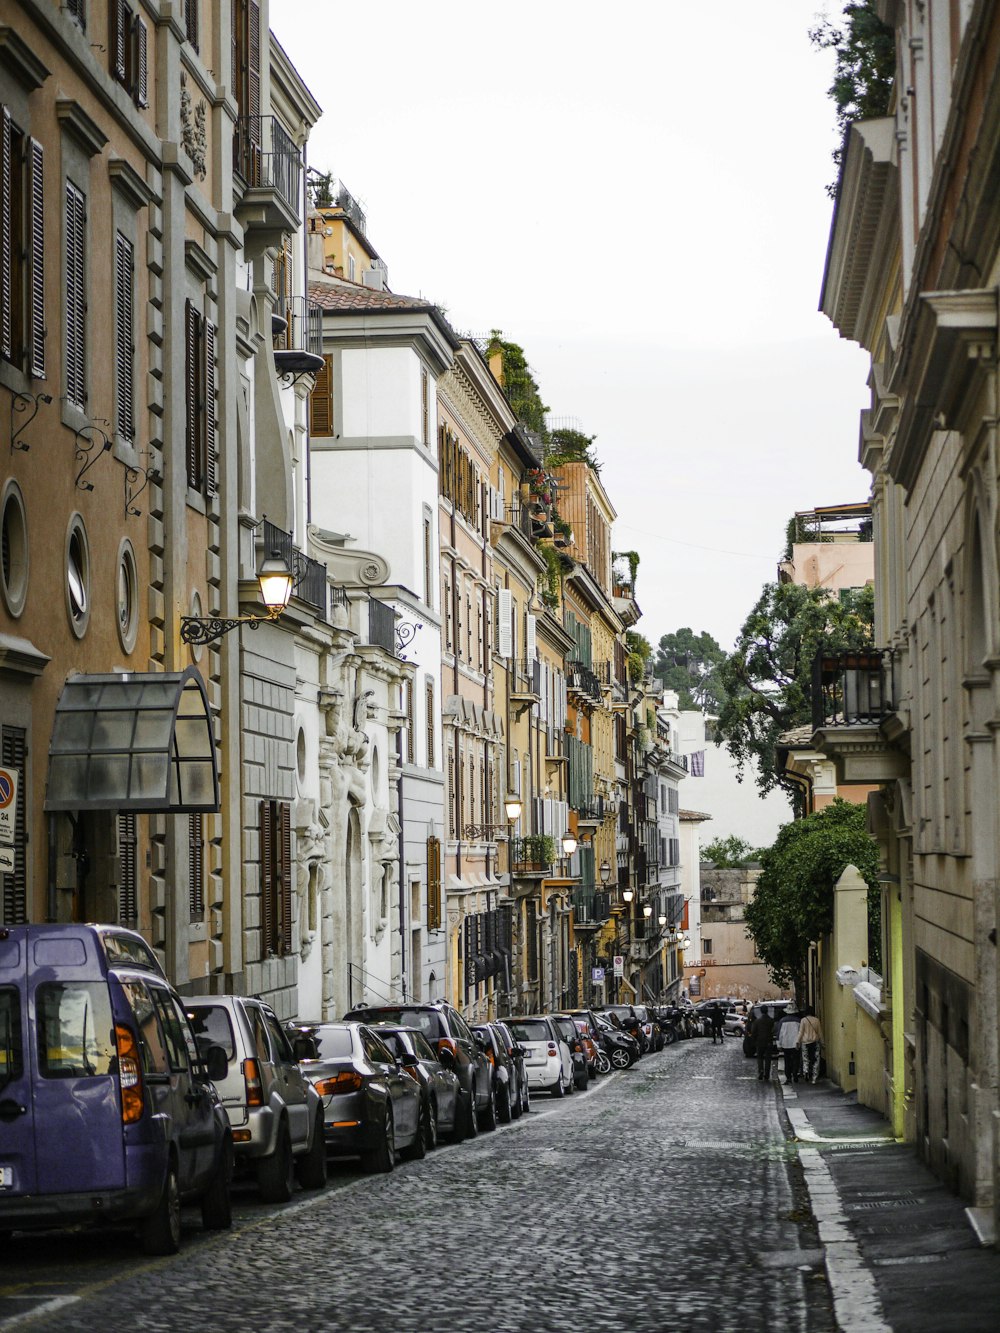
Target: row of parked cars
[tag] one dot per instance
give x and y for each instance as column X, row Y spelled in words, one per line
column 120, row 1101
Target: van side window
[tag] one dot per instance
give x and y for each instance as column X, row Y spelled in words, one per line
column 259, row 1032
column 212, row 1028
column 173, row 1032
column 151, row 1039
column 75, row 1030
column 11, row 1057
column 280, row 1043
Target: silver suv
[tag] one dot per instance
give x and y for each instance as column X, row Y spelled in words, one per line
column 275, row 1112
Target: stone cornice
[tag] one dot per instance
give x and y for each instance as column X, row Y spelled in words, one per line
column 86, row 132
column 350, row 566
column 17, row 57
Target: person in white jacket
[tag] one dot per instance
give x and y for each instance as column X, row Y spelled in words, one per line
column 787, row 1041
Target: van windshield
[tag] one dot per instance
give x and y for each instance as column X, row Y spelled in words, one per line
column 11, row 1062
column 75, row 1031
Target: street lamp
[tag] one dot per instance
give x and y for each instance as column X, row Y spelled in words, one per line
column 605, row 873
column 568, row 844
column 276, row 583
column 647, row 910
column 662, row 920
column 627, row 895
column 512, row 809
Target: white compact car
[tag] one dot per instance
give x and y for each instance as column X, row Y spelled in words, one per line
column 547, row 1058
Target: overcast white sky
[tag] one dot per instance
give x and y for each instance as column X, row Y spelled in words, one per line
column 635, row 194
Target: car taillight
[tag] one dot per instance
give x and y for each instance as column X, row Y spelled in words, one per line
column 448, row 1044
column 553, row 1048
column 254, row 1087
column 348, row 1080
column 129, row 1074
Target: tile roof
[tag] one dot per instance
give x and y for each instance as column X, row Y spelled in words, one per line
column 353, row 296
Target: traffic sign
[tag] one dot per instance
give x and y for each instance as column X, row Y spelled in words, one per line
column 8, row 804
column 619, row 965
column 7, row 860
column 597, row 974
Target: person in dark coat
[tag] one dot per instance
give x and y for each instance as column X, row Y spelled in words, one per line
column 718, row 1018
column 762, row 1032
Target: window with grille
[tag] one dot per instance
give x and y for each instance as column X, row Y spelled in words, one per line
column 22, row 248
column 128, row 870
column 13, row 750
column 275, row 878
column 451, row 794
column 196, row 866
column 531, row 938
column 434, row 906
column 706, row 945
column 425, row 407
column 200, row 400
column 76, row 295
column 124, row 337
column 191, row 22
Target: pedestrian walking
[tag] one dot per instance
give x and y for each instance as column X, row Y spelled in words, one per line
column 787, row 1040
column 718, row 1028
column 762, row 1032
column 810, row 1035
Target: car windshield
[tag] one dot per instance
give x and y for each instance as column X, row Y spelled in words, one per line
column 211, row 1026
column 333, row 1043
column 426, row 1021
column 530, row 1029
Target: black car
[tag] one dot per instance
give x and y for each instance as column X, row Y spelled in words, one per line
column 621, row 1047
column 449, row 1034
column 506, row 1092
column 440, row 1086
column 516, row 1052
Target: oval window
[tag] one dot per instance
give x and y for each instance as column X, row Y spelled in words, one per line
column 78, row 577
column 14, row 567
column 127, row 596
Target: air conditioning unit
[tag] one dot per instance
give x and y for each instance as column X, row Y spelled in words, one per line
column 376, row 277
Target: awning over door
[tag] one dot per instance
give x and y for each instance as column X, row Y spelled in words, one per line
column 139, row 742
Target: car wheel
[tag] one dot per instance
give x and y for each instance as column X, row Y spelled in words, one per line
column 161, row 1231
column 489, row 1113
column 620, row 1058
column 525, row 1098
column 276, row 1173
column 603, row 1063
column 381, row 1159
column 216, row 1202
column 516, row 1104
column 505, row 1112
column 311, row 1166
column 432, row 1126
column 559, row 1087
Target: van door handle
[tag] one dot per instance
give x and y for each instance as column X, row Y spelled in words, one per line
column 11, row 1110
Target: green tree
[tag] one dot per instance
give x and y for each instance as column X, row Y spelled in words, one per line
column 639, row 650
column 519, row 384
column 730, row 853
column 767, row 679
column 689, row 663
column 865, row 50
column 792, row 904
column 571, row 446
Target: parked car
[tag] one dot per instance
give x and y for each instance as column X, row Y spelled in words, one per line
column 275, row 1114
column 516, row 1052
column 447, row 1031
column 621, row 1047
column 571, row 1036
column 372, row 1105
column 650, row 1027
column 588, row 1039
column 547, row 1057
column 505, row 1092
column 628, row 1021
column 108, row 1106
column 440, row 1088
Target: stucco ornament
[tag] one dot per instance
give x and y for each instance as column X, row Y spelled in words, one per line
column 311, row 857
column 194, row 132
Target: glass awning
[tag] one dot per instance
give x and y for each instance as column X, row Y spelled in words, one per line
column 139, row 742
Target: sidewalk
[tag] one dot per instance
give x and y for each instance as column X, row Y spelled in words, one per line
column 901, row 1252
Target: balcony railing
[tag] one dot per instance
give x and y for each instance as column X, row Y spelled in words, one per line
column 309, row 577
column 859, row 687
column 266, row 157
column 302, row 323
column 526, row 677
column 382, row 625
column 582, row 680
column 590, row 906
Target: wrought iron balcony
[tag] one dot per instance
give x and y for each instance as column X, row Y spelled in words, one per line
column 298, row 336
column 309, row 577
column 268, row 164
column 857, row 700
column 382, row 625
column 590, row 907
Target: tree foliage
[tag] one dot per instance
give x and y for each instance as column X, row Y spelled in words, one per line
column 689, row 663
column 730, row 853
column 865, row 51
column 519, row 383
column 792, row 904
column 766, row 681
column 639, row 650
column 571, row 446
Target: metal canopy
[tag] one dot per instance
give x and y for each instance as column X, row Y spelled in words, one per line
column 139, row 742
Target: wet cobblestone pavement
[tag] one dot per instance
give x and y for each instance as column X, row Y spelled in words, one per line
column 664, row 1198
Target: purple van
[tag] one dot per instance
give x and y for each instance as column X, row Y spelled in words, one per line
column 107, row 1108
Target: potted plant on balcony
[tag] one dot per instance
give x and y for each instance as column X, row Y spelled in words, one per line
column 562, row 528
column 538, row 851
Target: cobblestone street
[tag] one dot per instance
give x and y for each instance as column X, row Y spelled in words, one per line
column 665, row 1197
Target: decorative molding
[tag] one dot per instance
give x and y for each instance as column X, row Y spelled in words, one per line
column 200, row 263
column 20, row 657
column 17, row 56
column 347, row 566
column 194, row 134
column 129, row 184
column 75, row 121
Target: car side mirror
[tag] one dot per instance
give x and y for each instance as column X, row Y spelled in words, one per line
column 408, row 1061
column 446, row 1057
column 216, row 1063
column 304, row 1048
column 480, row 1041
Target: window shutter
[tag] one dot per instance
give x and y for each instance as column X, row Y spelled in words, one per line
column 191, row 22
column 6, row 235
column 77, row 9
column 76, row 296
column 321, row 400
column 211, row 464
column 284, row 877
column 14, row 903
column 433, row 883
column 410, row 738
column 196, row 867
column 268, row 905
column 191, row 328
column 123, row 337
column 506, row 635
column 36, row 261
column 118, row 24
column 451, row 793
column 530, row 650
column 253, row 68
column 128, row 904
column 429, row 720
column 140, row 45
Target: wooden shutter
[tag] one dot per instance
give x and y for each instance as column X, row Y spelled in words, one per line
column 191, row 22
column 434, row 883
column 140, row 66
column 192, row 328
column 76, row 296
column 429, row 706
column 410, row 722
column 268, row 896
column 210, row 451
column 452, row 823
column 321, row 400
column 77, row 9
column 128, row 876
column 6, row 236
column 530, row 648
column 118, row 16
column 124, row 392
column 253, row 68
column 13, row 751
column 284, row 876
column 196, row 867
column 36, row 261
column 505, row 642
